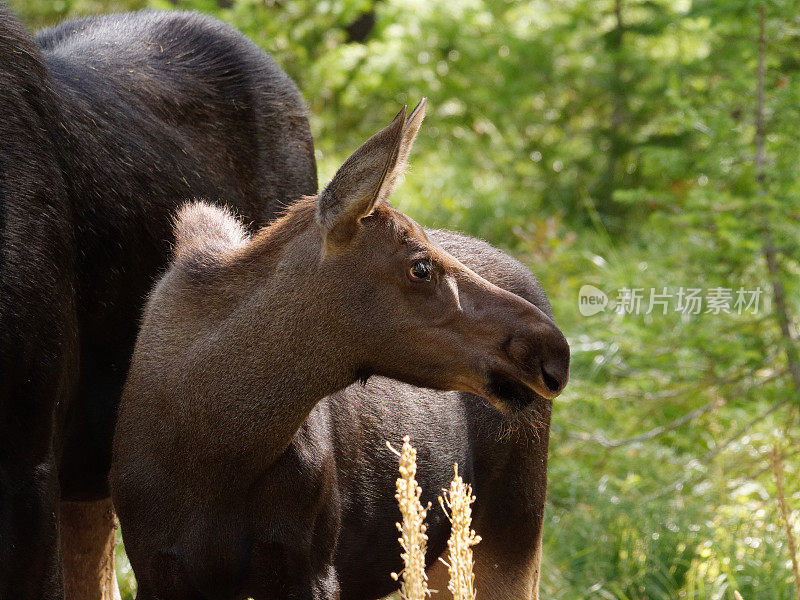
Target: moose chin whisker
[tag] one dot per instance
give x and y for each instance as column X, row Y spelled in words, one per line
column 521, row 407
column 508, row 392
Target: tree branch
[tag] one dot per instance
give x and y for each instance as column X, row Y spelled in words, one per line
column 712, row 454
column 777, row 469
column 770, row 252
column 599, row 438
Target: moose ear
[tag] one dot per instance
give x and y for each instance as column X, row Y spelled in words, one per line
column 367, row 178
column 409, row 135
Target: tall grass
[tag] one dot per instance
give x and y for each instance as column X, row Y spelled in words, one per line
column 413, row 539
column 457, row 505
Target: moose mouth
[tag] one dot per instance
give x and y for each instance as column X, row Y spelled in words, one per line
column 509, row 392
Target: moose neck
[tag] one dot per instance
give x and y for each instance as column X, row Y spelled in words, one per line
column 277, row 348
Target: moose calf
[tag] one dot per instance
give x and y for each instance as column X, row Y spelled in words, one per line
column 231, row 470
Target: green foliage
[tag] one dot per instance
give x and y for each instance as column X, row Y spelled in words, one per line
column 609, row 143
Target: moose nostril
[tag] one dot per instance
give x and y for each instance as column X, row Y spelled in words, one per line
column 544, row 356
column 555, row 371
column 553, row 383
column 555, row 366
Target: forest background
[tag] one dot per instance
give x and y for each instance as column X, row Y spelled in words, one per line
column 646, row 148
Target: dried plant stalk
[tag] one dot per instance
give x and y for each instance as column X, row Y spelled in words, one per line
column 777, row 470
column 414, row 584
column 457, row 505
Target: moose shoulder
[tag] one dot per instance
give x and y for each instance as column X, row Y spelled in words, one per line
column 107, row 125
column 229, row 475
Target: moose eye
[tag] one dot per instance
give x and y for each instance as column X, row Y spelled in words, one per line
column 421, row 270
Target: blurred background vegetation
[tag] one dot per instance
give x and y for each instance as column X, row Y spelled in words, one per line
column 618, row 143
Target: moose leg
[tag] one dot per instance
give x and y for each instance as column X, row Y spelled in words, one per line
column 32, row 391
column 29, row 559
column 88, row 535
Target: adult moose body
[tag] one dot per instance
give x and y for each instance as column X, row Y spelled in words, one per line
column 239, row 465
column 106, row 126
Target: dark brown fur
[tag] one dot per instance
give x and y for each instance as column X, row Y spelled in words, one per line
column 107, row 125
column 240, row 465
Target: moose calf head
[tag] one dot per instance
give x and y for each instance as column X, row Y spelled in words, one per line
column 424, row 317
column 382, row 299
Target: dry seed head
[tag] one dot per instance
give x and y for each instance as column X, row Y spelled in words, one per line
column 414, row 584
column 457, row 505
